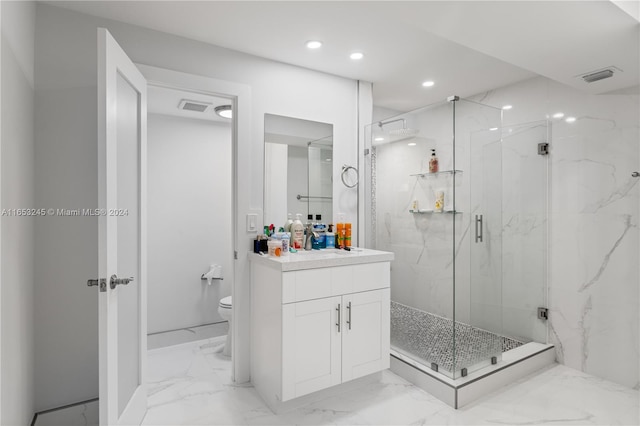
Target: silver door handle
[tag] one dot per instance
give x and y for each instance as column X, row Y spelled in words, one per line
column 115, row 281
column 478, row 228
column 102, row 283
column 338, row 323
column 349, row 316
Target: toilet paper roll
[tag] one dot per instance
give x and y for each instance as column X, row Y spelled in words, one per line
column 214, row 273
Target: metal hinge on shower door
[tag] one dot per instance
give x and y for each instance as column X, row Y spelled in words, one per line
column 543, row 313
column 543, row 148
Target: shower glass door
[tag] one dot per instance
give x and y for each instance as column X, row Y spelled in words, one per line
column 524, row 231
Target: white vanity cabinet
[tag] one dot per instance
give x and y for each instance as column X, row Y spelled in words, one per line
column 313, row 328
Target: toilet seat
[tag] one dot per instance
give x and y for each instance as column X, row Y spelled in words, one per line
column 225, row 302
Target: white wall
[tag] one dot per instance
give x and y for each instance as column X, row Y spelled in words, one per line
column 189, row 221
column 66, row 339
column 17, row 332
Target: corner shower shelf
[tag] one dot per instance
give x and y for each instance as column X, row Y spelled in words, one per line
column 436, row 174
column 433, row 211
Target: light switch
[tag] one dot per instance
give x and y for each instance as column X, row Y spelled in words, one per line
column 252, row 222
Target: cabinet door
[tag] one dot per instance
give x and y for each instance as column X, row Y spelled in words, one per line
column 311, row 346
column 365, row 338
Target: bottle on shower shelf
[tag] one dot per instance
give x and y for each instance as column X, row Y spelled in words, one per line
column 433, row 162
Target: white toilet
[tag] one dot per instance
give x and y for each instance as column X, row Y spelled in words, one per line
column 225, row 309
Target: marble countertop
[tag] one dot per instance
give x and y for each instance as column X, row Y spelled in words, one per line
column 322, row 258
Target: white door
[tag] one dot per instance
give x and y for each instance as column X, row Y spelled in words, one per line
column 122, row 137
column 311, row 346
column 365, row 342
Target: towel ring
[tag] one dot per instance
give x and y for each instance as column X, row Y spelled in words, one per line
column 345, row 170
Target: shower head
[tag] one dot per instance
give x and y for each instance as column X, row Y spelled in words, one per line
column 397, row 135
column 404, row 132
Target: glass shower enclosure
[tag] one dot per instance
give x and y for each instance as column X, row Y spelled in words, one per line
column 468, row 276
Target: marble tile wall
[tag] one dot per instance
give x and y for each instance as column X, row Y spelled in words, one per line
column 588, row 223
column 593, row 222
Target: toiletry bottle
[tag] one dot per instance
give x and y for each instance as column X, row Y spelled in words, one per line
column 433, row 162
column 347, row 234
column 288, row 223
column 330, row 239
column 320, row 229
column 340, row 231
column 297, row 231
column 414, row 206
column 439, row 206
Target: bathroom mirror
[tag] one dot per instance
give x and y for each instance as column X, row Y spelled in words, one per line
column 298, row 166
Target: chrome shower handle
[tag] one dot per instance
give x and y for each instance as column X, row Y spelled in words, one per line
column 479, row 228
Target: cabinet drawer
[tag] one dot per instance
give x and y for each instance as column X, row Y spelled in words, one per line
column 371, row 276
column 309, row 284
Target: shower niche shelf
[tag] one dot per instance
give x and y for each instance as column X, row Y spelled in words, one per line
column 434, row 212
column 437, row 174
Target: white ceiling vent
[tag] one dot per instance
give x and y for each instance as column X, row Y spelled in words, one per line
column 600, row 74
column 196, row 106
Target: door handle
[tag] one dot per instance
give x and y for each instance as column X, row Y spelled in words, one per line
column 479, row 228
column 102, row 283
column 338, row 323
column 349, row 316
column 115, row 281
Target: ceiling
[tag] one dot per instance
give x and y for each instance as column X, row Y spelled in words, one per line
column 165, row 101
column 465, row 47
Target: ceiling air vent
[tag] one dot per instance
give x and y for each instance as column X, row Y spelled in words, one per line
column 196, row 106
column 598, row 75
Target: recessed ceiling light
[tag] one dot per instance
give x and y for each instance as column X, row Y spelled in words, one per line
column 558, row 115
column 411, row 144
column 328, row 159
column 507, row 107
column 314, row 44
column 356, row 56
column 427, row 83
column 224, row 111
column 570, row 119
column 493, row 128
column 379, row 139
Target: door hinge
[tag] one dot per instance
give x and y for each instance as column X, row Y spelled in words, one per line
column 543, row 313
column 235, row 255
column 366, row 151
column 543, row 148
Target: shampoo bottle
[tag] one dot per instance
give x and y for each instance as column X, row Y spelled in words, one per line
column 433, row 162
column 297, row 232
column 288, row 223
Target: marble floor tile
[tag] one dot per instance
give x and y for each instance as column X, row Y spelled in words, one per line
column 184, row 335
column 190, row 384
column 77, row 415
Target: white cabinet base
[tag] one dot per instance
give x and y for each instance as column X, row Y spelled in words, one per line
column 317, row 332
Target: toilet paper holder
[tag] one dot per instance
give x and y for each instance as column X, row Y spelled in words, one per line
column 213, row 278
column 214, row 273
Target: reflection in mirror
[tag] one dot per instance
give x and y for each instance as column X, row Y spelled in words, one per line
column 298, row 165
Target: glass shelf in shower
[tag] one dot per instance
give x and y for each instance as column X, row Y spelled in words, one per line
column 437, row 174
column 435, row 212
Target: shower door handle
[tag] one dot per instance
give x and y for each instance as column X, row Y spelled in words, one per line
column 479, row 228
